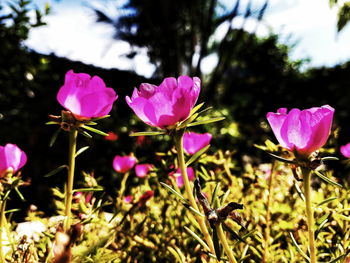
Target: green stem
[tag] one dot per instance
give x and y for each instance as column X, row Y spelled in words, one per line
column 268, row 214
column 201, row 221
column 73, row 134
column 2, row 228
column 122, row 188
column 309, row 213
column 223, row 240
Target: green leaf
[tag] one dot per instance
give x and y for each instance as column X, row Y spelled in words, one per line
column 301, row 252
column 233, row 233
column 54, row 137
column 214, row 197
column 91, row 189
column 145, row 133
column 171, row 190
column 216, row 244
column 196, row 237
column 341, row 257
column 327, row 201
column 91, row 123
column 326, row 179
column 206, row 109
column 197, row 155
column 195, row 211
column 84, row 133
column 300, row 193
column 51, row 123
column 205, row 121
column 329, row 158
column 55, row 171
column 249, row 234
column 280, row 158
column 204, row 173
column 19, row 194
column 320, row 227
column 175, row 254
column 94, row 130
column 196, row 108
column 187, row 121
column 100, row 118
column 12, row 210
column 343, row 16
column 224, row 197
column 81, row 150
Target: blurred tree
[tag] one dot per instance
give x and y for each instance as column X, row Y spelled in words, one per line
column 176, row 34
column 343, row 12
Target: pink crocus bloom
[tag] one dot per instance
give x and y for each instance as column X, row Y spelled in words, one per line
column 193, row 142
column 165, row 105
column 302, row 131
column 12, row 159
column 142, row 170
column 345, row 150
column 179, row 179
column 123, row 164
column 86, row 97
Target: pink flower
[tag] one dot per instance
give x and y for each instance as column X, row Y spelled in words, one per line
column 142, row 170
column 86, row 97
column 345, row 150
column 128, row 199
column 12, row 158
column 193, row 142
column 112, row 136
column 179, row 180
column 167, row 104
column 123, row 164
column 302, row 131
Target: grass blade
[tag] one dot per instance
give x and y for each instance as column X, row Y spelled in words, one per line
column 94, row 130
column 196, row 237
column 326, row 179
column 54, row 137
column 55, row 171
column 205, row 121
column 197, row 155
column 216, row 244
column 173, row 191
column 301, row 252
column 145, row 133
column 81, row 150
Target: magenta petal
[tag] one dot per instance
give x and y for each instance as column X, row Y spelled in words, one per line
column 123, row 164
column 193, row 142
column 179, row 179
column 142, row 170
column 85, row 96
column 97, row 104
column 276, row 121
column 167, row 104
column 167, row 87
column 302, row 131
column 146, row 90
column 345, row 150
column 295, row 131
column 138, row 106
column 11, row 157
column 320, row 122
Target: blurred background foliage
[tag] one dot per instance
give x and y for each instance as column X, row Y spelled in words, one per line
column 253, row 76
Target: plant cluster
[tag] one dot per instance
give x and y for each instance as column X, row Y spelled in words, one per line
column 189, row 205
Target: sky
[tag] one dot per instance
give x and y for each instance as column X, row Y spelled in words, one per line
column 72, row 32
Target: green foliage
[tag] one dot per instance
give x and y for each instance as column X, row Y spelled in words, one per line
column 343, row 13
